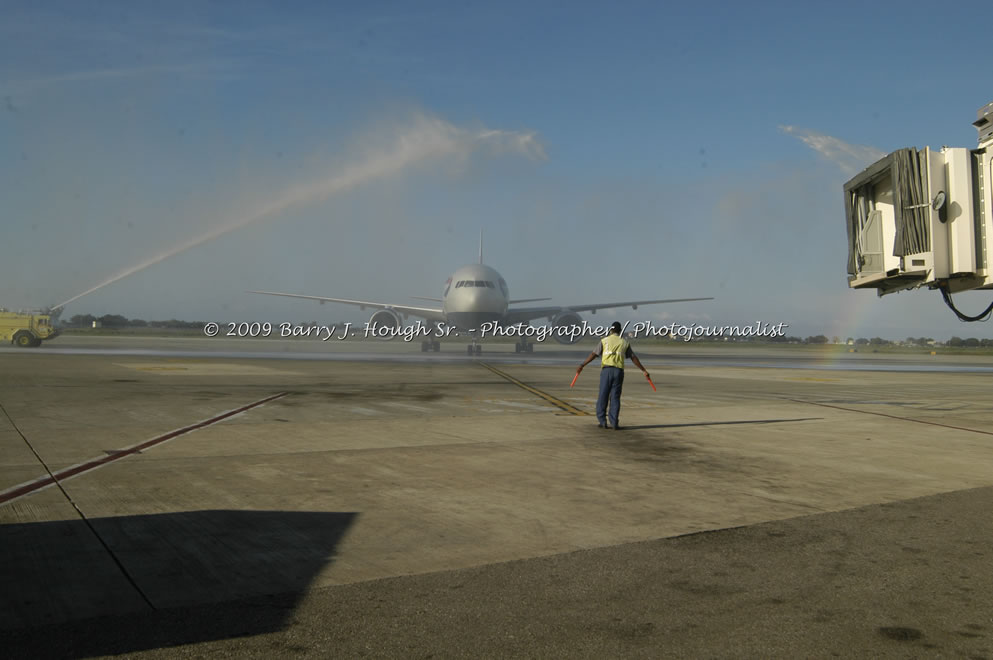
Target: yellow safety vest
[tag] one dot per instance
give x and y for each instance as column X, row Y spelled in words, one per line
column 614, row 348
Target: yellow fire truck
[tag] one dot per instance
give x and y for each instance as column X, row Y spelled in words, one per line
column 26, row 329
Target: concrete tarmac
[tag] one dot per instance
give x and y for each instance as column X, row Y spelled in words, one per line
column 411, row 505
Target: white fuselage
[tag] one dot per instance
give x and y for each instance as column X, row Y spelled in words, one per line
column 474, row 295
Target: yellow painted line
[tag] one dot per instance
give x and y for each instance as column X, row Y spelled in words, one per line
column 558, row 403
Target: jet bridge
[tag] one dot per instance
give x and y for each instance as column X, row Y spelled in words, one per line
column 922, row 217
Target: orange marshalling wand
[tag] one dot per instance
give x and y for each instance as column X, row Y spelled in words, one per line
column 574, row 379
column 651, row 383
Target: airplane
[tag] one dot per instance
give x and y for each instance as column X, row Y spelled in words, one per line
column 475, row 295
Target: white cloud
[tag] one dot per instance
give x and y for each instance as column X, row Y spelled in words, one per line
column 31, row 86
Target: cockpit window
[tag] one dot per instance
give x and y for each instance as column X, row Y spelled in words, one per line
column 489, row 285
column 480, row 283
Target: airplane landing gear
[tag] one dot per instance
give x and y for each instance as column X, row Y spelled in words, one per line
column 474, row 349
column 524, row 346
column 430, row 345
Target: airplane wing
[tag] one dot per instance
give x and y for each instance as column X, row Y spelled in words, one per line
column 522, row 314
column 426, row 313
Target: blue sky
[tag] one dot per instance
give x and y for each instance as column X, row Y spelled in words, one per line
column 127, row 129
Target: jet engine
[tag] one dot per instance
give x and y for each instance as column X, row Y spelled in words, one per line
column 567, row 319
column 385, row 318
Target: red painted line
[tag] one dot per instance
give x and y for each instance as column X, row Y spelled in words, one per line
column 75, row 470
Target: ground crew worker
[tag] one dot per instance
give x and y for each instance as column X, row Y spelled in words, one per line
column 612, row 350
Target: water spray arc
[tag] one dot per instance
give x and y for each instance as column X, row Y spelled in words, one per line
column 851, row 158
column 425, row 139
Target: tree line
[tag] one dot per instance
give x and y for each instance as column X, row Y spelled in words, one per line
column 118, row 321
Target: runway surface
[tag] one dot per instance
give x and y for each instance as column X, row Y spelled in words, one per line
column 163, row 497
column 685, row 354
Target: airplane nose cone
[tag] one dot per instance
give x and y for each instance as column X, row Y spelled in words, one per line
column 476, row 296
column 483, row 300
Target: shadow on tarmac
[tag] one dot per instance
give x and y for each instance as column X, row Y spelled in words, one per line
column 625, row 427
column 55, row 572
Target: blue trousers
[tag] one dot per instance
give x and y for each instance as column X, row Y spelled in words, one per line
column 611, row 381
